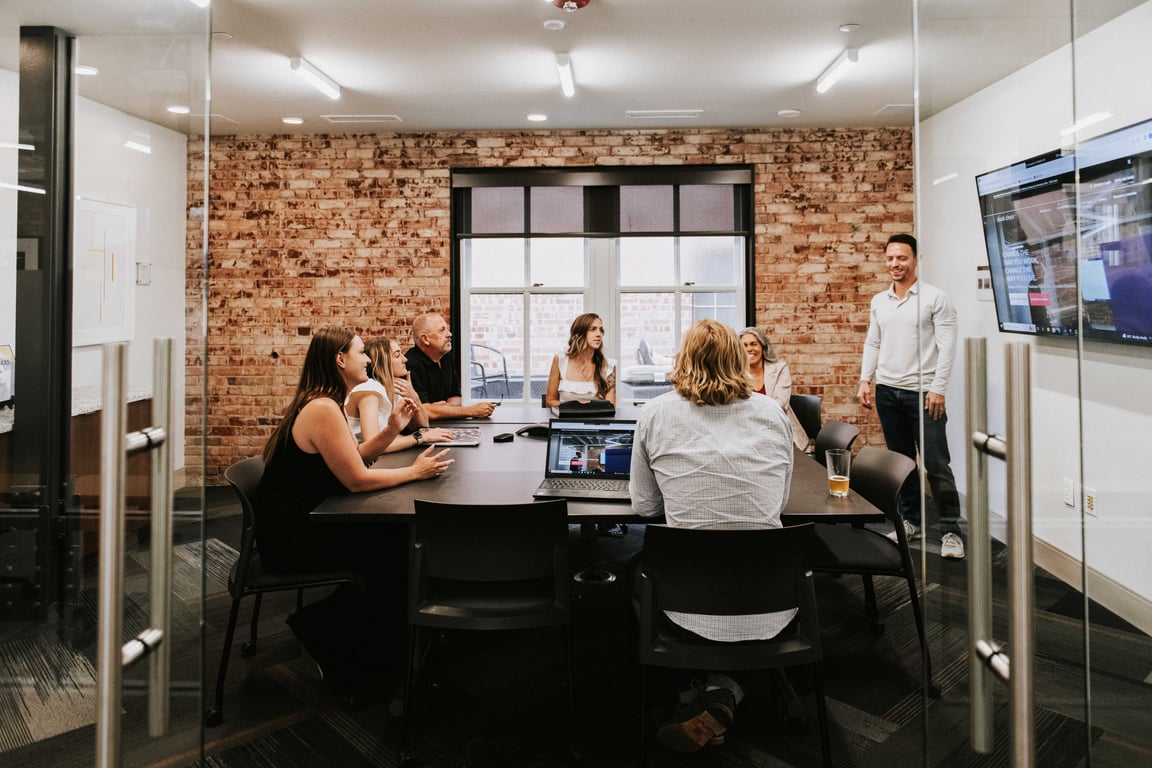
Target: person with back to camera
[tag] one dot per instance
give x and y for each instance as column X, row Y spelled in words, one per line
column 369, row 403
column 770, row 376
column 433, row 373
column 310, row 456
column 909, row 349
column 582, row 373
column 710, row 455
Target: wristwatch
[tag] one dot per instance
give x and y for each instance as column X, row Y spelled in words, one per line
column 418, row 434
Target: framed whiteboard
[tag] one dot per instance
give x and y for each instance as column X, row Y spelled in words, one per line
column 103, row 272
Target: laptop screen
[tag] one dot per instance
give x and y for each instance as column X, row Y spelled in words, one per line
column 596, row 448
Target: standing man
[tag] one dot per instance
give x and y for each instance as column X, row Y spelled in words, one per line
column 709, row 454
column 909, row 348
column 434, row 377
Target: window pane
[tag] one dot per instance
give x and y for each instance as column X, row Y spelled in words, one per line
column 707, row 208
column 496, row 367
column 647, row 261
column 710, row 260
column 717, row 306
column 647, row 344
column 558, row 209
column 551, row 317
column 498, row 209
column 496, row 263
column 558, row 262
column 646, row 209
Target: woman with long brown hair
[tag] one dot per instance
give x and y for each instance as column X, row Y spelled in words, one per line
column 582, row 372
column 310, row 456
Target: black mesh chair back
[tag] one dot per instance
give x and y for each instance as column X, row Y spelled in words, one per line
column 835, row 434
column 877, row 475
column 728, row 572
column 249, row 577
column 807, row 410
column 486, row 567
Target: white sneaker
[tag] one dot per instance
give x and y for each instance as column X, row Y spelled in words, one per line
column 952, row 546
column 910, row 530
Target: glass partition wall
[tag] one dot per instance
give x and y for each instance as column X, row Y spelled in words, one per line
column 1034, row 176
column 101, row 458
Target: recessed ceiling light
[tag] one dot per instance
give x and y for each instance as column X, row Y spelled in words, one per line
column 554, row 25
column 789, row 113
column 537, row 117
column 86, row 70
column 292, row 120
column 179, row 109
column 222, row 35
column 849, row 27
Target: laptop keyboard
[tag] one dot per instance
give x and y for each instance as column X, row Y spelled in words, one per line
column 584, row 483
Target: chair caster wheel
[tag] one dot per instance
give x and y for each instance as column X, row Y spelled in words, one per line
column 213, row 717
column 248, row 649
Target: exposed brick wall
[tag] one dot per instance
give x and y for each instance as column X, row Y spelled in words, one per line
column 354, row 229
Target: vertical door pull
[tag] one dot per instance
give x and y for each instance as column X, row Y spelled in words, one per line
column 986, row 657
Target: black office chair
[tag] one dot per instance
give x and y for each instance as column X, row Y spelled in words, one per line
column 877, row 475
column 807, row 410
column 486, row 567
column 727, row 572
column 835, row 434
column 249, row 577
column 488, row 364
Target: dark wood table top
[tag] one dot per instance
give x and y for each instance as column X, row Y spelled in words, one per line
column 508, row 473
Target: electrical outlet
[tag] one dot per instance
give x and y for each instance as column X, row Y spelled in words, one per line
column 1091, row 503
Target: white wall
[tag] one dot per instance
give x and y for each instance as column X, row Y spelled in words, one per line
column 1098, row 399
column 156, row 185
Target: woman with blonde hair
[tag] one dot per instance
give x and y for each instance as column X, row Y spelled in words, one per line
column 370, row 402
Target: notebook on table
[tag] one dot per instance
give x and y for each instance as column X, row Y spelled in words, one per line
column 588, row 459
column 462, row 436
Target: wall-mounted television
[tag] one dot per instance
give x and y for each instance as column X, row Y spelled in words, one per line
column 1059, row 264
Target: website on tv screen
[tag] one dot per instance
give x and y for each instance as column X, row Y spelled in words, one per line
column 1058, row 264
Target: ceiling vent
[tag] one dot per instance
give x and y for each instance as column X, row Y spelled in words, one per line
column 362, row 119
column 662, row 114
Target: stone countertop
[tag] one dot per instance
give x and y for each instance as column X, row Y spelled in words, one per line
column 84, row 400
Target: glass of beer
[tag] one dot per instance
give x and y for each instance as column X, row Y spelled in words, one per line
column 839, row 463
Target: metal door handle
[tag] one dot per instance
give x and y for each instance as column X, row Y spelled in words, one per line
column 115, row 445
column 986, row 657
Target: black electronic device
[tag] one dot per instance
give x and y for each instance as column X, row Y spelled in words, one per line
column 533, row 430
column 503, row 437
column 1068, row 239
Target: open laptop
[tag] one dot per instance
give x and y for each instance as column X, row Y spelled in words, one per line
column 588, row 459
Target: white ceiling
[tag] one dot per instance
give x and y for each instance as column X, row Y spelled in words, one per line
column 486, row 64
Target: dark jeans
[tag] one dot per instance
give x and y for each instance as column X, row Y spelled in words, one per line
column 900, row 411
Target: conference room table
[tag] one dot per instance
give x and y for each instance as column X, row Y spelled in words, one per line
column 509, row 472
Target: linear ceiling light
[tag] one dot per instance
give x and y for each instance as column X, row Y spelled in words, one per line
column 564, row 69
column 315, row 77
column 844, row 62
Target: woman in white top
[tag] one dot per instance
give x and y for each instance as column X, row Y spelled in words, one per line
column 771, row 377
column 370, row 402
column 582, row 372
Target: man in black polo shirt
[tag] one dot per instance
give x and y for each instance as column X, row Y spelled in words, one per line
column 434, row 377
